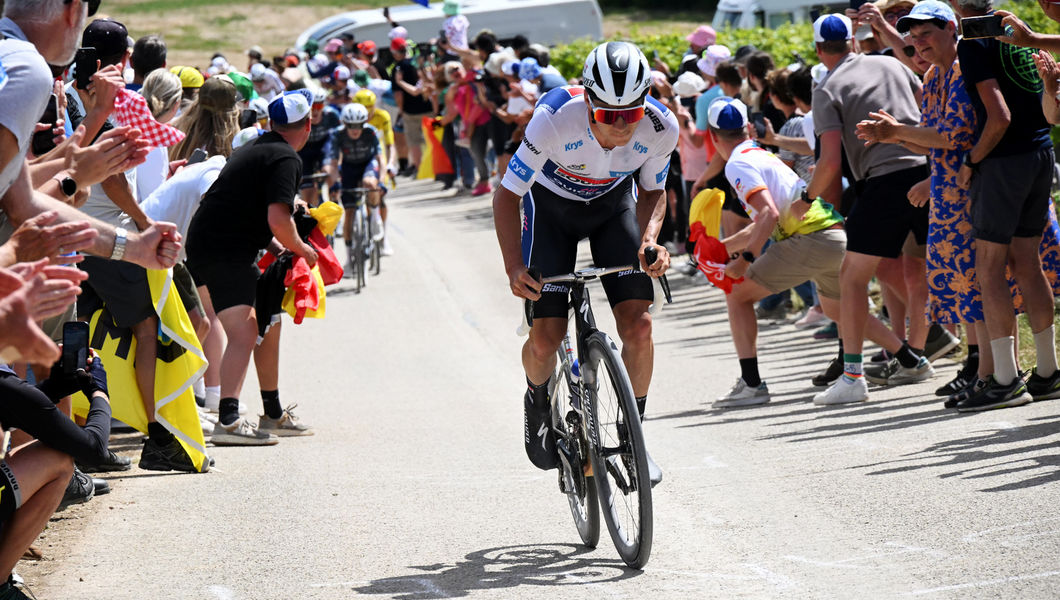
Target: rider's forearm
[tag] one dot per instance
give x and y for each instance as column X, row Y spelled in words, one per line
column 651, row 209
column 507, row 223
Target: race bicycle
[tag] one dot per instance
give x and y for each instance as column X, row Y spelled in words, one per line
column 366, row 253
column 603, row 460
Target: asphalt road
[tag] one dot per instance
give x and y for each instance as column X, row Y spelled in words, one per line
column 416, row 485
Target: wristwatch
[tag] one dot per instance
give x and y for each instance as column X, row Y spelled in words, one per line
column 120, row 237
column 968, row 161
column 748, row 256
column 66, row 184
column 805, row 197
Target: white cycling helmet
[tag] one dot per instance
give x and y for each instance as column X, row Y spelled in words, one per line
column 353, row 114
column 320, row 96
column 617, row 73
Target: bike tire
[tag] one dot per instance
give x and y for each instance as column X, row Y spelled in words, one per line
column 618, row 462
column 377, row 256
column 359, row 234
column 584, row 507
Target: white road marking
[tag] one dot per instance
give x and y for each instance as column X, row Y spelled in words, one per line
column 984, row 583
column 221, row 592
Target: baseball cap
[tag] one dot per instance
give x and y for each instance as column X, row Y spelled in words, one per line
column 190, row 77
column 712, row 56
column 245, row 136
column 726, row 113
column 289, row 107
column 529, row 69
column 341, row 72
column 743, row 53
column 255, row 51
column 704, row 35
column 398, row 32
column 257, row 72
column 886, row 5
column 689, row 84
column 333, row 45
column 243, row 85
column 928, row 10
column 107, row 36
column 451, row 7
column 367, row 47
column 832, row 28
column 398, row 45
column 361, row 78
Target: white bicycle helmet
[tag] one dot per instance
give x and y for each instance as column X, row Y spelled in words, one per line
column 320, row 96
column 617, row 73
column 353, row 114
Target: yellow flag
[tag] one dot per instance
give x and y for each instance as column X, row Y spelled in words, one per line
column 179, row 364
column 706, row 210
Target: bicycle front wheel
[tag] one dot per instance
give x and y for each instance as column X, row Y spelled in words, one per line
column 360, row 246
column 620, row 462
column 582, row 496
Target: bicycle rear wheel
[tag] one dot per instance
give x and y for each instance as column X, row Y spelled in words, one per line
column 620, row 462
column 377, row 256
column 583, row 497
column 360, row 234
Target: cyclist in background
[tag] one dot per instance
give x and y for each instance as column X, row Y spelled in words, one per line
column 354, row 159
column 574, row 172
column 324, row 121
column 380, row 119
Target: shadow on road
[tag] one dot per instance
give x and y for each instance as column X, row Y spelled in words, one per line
column 507, row 567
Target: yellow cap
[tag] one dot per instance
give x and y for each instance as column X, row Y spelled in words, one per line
column 190, row 77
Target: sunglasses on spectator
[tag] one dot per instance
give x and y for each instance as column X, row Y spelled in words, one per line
column 610, row 116
column 910, row 51
column 93, row 5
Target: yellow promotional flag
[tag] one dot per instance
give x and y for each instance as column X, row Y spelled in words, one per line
column 179, row 364
column 706, row 210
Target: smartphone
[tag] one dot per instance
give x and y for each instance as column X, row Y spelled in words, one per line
column 75, row 346
column 759, row 121
column 44, row 141
column 856, row 4
column 86, row 63
column 197, row 157
column 982, row 27
column 654, row 54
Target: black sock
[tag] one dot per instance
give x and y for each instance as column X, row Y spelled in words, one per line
column 200, row 401
column 642, row 403
column 538, row 393
column 229, row 410
column 159, row 434
column 840, row 350
column 907, row 357
column 971, row 364
column 403, row 164
column 271, row 401
column 749, row 371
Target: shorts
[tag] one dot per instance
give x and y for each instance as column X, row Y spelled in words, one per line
column 1010, row 196
column 10, row 494
column 791, row 261
column 500, row 134
column 414, row 129
column 121, row 286
column 229, row 283
column 310, row 167
column 553, row 226
column 353, row 177
column 913, row 249
column 185, row 285
column 882, row 216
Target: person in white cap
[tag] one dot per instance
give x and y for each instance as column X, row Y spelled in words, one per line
column 882, row 218
column 707, row 66
column 808, row 236
column 258, row 184
column 267, row 83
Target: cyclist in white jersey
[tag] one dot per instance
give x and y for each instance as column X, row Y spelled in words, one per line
column 592, row 164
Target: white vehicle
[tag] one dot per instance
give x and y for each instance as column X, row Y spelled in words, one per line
column 745, row 14
column 543, row 21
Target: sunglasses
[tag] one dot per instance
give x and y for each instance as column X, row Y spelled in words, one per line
column 355, row 126
column 318, row 105
column 610, row 116
column 93, row 5
column 909, row 51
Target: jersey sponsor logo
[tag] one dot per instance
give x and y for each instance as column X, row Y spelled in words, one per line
column 658, row 105
column 580, row 186
column 578, row 167
column 621, row 173
column 738, row 184
column 520, row 169
column 530, row 147
column 656, row 122
column 573, row 145
column 661, row 176
column 640, row 148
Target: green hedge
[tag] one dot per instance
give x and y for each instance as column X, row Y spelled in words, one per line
column 781, row 42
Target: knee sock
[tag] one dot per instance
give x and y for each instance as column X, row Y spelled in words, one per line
column 749, row 371
column 642, row 403
column 270, row 400
column 851, row 367
column 228, row 410
column 907, row 357
column 403, row 163
column 971, row 364
column 1045, row 346
column 538, row 393
column 1005, row 370
column 159, row 434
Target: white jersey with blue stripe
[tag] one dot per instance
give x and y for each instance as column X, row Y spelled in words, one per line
column 560, row 152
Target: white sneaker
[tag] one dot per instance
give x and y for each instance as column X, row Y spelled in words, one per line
column 386, row 250
column 742, row 394
column 844, row 391
column 814, row 317
column 241, row 433
column 375, row 224
column 207, row 421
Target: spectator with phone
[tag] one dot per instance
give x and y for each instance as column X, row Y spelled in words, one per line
column 1009, row 173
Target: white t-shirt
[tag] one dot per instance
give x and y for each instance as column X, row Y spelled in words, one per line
column 560, row 152
column 517, row 103
column 176, row 200
column 152, row 173
column 28, row 80
column 807, row 130
column 456, row 28
column 752, row 168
